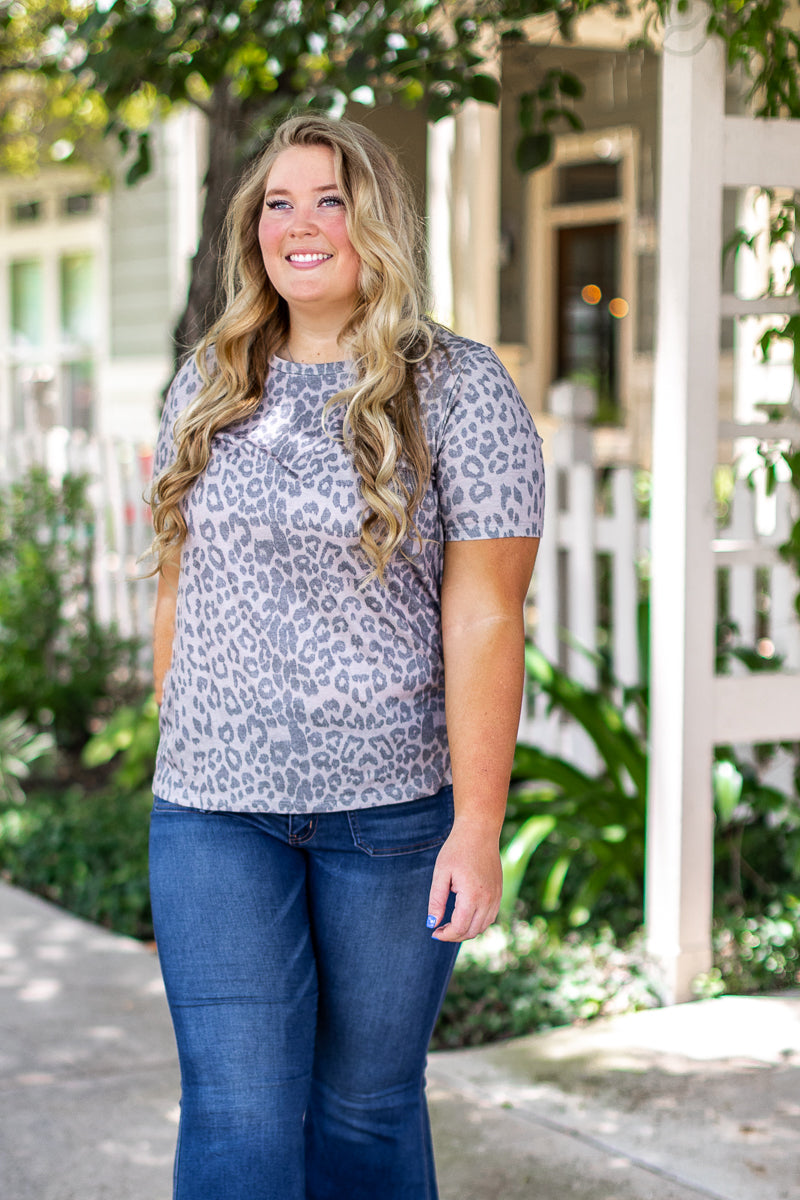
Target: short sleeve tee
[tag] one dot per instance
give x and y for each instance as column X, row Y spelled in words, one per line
column 295, row 686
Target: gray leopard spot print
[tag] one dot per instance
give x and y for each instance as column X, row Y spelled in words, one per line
column 294, row 687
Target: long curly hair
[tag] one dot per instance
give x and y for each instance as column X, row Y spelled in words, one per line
column 387, row 336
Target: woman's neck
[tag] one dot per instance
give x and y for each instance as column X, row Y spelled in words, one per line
column 311, row 343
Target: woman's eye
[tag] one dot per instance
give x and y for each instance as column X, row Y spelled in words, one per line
column 333, row 200
column 276, row 204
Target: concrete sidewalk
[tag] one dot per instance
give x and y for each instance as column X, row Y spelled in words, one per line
column 701, row 1101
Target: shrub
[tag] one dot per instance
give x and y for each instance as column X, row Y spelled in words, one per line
column 20, row 747
column 84, row 851
column 512, row 981
column 130, row 739
column 574, row 838
column 756, row 952
column 57, row 662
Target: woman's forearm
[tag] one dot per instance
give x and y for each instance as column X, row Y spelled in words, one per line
column 483, row 592
column 484, row 674
column 164, row 626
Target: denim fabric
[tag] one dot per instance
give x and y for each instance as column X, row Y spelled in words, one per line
column 303, row 986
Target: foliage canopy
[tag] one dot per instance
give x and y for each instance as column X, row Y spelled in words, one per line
column 73, row 70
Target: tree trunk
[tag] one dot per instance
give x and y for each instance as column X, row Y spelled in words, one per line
column 204, row 301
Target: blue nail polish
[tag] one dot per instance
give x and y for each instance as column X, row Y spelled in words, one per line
column 431, row 922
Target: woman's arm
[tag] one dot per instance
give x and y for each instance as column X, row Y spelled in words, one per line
column 164, row 624
column 483, row 593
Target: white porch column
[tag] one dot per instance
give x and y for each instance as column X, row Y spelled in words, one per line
column 476, row 222
column 464, row 220
column 680, row 816
column 441, row 151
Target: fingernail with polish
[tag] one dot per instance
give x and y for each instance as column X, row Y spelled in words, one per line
column 431, row 922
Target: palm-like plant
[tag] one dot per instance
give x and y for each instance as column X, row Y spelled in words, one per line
column 586, row 823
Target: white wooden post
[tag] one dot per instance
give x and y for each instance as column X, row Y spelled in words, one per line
column 625, row 584
column 702, row 151
column 742, row 609
column 464, row 220
column 680, row 813
column 441, row 149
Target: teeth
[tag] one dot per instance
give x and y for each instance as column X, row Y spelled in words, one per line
column 308, row 257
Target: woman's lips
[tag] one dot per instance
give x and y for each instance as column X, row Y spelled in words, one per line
column 307, row 258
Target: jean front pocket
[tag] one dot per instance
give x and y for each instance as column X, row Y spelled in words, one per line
column 403, row 828
column 168, row 806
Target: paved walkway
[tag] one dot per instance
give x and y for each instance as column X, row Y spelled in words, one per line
column 700, row 1102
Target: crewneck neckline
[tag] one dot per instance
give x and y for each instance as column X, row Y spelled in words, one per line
column 341, row 366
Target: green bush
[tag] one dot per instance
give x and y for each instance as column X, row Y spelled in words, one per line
column 84, row 851
column 20, row 747
column 130, row 739
column 58, row 664
column 756, row 953
column 521, row 980
column 573, row 839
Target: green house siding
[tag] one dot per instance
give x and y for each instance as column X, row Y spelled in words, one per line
column 141, row 309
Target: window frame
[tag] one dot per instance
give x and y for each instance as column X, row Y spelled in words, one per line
column 55, row 236
column 545, row 217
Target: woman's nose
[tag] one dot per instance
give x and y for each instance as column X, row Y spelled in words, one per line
column 303, row 221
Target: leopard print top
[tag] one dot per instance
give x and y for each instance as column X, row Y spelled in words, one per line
column 294, row 687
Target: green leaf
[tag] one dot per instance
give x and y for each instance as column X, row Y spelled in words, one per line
column 532, row 765
column 439, row 106
column 570, row 85
column 551, row 893
column 485, row 89
column 142, row 164
column 572, row 119
column 728, row 783
column 617, row 745
column 516, row 856
column 534, row 150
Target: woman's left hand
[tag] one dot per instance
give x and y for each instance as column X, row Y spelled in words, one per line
column 469, row 865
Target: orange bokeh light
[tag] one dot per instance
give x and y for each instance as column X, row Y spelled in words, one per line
column 591, row 294
column 618, row 307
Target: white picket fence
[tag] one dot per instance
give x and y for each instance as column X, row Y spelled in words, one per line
column 119, row 474
column 594, row 531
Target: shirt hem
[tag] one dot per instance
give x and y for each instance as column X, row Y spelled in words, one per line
column 187, row 797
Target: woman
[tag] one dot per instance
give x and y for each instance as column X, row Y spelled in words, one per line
column 347, row 510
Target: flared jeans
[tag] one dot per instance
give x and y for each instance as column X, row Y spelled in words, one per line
column 303, row 985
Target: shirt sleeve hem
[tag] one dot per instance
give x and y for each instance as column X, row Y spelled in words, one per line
column 474, row 533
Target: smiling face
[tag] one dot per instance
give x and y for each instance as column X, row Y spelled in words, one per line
column 302, row 233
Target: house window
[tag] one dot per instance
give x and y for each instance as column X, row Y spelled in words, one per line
column 34, row 404
column 53, row 327
column 26, row 211
column 78, row 205
column 580, row 271
column 587, row 182
column 77, row 390
column 52, row 369
column 589, row 308
column 27, row 303
column 78, row 315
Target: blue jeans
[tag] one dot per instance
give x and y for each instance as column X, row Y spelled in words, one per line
column 303, row 986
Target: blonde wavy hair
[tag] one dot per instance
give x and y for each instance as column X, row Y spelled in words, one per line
column 387, row 336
